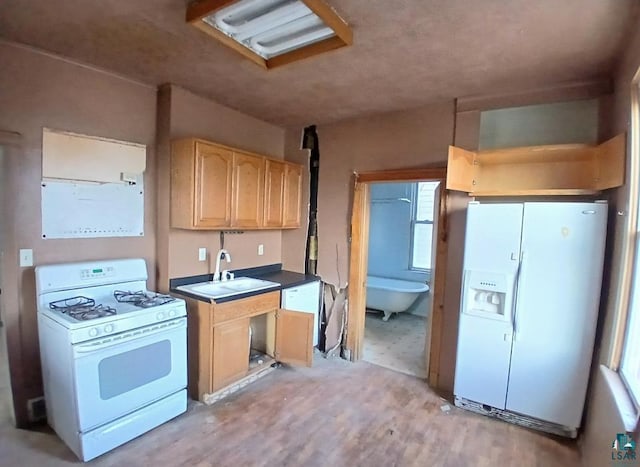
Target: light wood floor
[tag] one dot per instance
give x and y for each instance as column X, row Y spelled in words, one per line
column 334, row 414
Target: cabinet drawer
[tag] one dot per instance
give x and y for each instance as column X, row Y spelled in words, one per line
column 246, row 307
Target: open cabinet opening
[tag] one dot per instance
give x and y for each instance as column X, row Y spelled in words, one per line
column 262, row 341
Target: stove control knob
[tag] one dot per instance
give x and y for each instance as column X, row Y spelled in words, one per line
column 172, row 313
column 108, row 328
column 160, row 316
column 93, row 332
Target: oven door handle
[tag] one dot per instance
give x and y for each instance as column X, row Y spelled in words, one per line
column 128, row 336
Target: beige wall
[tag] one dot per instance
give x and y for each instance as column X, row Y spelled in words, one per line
column 551, row 123
column 184, row 114
column 399, row 140
column 414, row 138
column 36, row 91
column 603, row 419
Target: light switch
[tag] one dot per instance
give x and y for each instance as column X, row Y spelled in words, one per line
column 26, row 258
column 202, row 254
column 260, row 249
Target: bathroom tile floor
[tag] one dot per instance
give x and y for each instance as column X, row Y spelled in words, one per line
column 397, row 344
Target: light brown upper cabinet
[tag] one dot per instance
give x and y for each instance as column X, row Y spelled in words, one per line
column 565, row 169
column 292, row 195
column 274, row 193
column 248, row 191
column 201, row 180
column 216, row 187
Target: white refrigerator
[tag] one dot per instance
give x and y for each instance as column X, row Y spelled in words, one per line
column 530, row 298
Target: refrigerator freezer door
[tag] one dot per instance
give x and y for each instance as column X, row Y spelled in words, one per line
column 556, row 309
column 482, row 364
column 492, row 239
column 492, row 247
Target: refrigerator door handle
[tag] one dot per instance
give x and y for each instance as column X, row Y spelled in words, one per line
column 518, row 286
column 509, row 335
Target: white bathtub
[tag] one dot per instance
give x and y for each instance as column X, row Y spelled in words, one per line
column 392, row 295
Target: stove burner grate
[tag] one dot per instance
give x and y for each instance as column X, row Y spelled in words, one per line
column 82, row 308
column 142, row 299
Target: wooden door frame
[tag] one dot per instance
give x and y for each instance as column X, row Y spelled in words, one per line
column 10, row 277
column 359, row 257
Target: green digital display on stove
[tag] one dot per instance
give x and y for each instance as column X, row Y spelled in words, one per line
column 97, row 271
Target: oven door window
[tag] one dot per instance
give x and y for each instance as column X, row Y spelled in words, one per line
column 118, row 378
column 124, row 372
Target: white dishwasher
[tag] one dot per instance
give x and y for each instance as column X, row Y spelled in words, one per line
column 305, row 298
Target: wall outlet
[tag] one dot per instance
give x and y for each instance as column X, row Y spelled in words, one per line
column 260, row 249
column 202, row 254
column 26, row 258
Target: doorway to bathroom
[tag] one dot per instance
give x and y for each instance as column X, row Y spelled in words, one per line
column 394, row 196
column 398, row 302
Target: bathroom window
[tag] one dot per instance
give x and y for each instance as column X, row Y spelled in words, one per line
column 424, row 194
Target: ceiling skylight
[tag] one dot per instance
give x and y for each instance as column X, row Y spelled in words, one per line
column 272, row 32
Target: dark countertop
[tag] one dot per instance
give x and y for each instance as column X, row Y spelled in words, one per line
column 286, row 279
column 272, row 272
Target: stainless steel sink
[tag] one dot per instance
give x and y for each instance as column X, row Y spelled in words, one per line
column 222, row 289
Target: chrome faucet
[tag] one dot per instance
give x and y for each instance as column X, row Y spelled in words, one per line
column 221, row 254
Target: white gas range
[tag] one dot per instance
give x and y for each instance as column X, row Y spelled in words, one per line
column 114, row 355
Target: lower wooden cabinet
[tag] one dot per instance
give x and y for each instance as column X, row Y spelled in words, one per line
column 230, row 352
column 221, row 337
